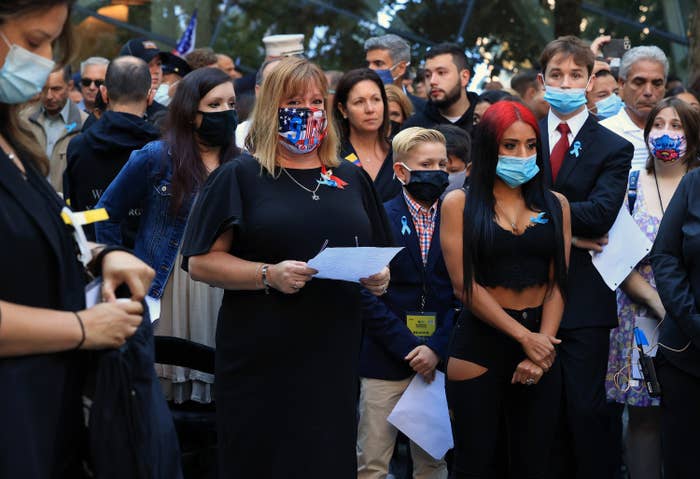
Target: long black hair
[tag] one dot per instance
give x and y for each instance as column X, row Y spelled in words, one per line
column 189, row 172
column 479, row 213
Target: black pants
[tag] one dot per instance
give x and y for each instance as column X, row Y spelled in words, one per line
column 680, row 420
column 484, row 406
column 588, row 444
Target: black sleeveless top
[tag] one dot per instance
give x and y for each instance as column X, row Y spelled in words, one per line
column 519, row 261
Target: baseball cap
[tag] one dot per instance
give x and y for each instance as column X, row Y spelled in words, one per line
column 142, row 48
column 284, row 45
column 174, row 64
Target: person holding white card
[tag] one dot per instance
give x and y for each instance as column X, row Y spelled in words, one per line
column 671, row 135
column 287, row 344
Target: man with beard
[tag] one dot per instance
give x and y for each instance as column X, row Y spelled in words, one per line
column 54, row 121
column 643, row 72
column 449, row 102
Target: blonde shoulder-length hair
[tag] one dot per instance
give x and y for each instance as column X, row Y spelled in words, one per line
column 291, row 77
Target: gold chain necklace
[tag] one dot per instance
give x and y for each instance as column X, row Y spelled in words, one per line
column 513, row 223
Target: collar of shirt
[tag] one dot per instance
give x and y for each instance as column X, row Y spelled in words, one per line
column 63, row 114
column 575, row 124
column 621, row 122
column 416, row 209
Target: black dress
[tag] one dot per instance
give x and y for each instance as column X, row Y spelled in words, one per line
column 286, row 365
column 40, row 404
column 386, row 183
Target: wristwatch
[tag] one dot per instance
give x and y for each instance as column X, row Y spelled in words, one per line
column 265, row 282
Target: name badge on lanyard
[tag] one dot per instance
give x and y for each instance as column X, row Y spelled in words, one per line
column 421, row 324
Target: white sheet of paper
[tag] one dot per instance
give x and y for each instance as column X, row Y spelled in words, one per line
column 153, row 308
column 626, row 247
column 649, row 327
column 92, row 293
column 351, row 264
column 422, row 415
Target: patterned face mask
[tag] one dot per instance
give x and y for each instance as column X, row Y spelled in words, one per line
column 667, row 146
column 301, row 130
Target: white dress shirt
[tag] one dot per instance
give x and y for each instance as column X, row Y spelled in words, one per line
column 575, row 124
column 623, row 125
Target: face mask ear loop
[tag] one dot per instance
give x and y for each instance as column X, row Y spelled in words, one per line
column 7, row 41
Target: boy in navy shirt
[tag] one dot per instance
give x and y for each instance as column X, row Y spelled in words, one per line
column 417, row 311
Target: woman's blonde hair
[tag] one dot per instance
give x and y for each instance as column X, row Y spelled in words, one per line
column 292, row 76
column 395, row 94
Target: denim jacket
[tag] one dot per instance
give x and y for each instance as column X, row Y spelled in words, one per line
column 144, row 182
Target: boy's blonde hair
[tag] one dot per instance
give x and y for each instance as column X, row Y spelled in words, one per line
column 406, row 140
column 291, row 76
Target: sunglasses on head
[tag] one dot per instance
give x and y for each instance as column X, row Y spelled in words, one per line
column 86, row 82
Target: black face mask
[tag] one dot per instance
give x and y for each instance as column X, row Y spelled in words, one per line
column 218, row 127
column 426, row 186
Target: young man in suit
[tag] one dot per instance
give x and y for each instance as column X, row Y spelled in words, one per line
column 407, row 328
column 589, row 165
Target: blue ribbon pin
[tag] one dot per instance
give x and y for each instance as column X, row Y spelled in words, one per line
column 540, row 219
column 576, row 149
column 640, row 337
column 70, row 127
column 405, row 230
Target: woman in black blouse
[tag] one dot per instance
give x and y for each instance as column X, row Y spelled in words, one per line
column 43, row 320
column 362, row 113
column 675, row 260
column 506, row 246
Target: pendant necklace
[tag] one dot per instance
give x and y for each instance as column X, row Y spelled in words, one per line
column 513, row 224
column 314, row 196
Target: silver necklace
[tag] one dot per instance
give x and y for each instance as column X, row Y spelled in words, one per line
column 314, row 196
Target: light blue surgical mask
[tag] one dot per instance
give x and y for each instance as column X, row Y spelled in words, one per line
column 564, row 100
column 162, row 95
column 608, row 107
column 516, row 170
column 23, row 74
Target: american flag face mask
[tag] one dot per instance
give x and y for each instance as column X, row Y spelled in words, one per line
column 301, row 130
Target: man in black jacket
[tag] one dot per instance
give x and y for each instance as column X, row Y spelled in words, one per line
column 97, row 155
column 447, row 73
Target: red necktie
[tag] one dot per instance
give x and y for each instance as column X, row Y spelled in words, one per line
column 556, row 158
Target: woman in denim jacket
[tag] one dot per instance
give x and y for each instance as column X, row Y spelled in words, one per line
column 162, row 179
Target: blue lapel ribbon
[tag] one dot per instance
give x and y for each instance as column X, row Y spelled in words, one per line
column 405, row 230
column 576, row 149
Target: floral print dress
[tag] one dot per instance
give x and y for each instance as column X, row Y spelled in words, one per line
column 622, row 337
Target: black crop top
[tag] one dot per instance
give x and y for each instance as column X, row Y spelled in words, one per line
column 519, row 261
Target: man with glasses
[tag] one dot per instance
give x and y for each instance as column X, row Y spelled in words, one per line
column 92, row 75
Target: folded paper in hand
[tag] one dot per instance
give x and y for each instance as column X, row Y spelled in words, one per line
column 351, row 264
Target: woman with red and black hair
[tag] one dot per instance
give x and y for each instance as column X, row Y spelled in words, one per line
column 506, row 245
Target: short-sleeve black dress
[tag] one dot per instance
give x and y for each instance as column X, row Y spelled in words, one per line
column 286, row 365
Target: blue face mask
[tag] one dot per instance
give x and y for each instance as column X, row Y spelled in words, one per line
column 515, row 170
column 608, row 107
column 565, row 101
column 385, row 75
column 23, row 74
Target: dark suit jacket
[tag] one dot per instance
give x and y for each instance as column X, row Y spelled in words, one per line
column 677, row 273
column 387, row 339
column 595, row 183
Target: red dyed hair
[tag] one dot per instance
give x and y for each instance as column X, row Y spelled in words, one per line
column 502, row 114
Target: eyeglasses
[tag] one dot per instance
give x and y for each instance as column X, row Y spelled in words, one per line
column 86, row 82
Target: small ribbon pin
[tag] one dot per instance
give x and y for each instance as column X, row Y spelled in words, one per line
column 540, row 219
column 405, row 230
column 576, row 149
column 71, row 126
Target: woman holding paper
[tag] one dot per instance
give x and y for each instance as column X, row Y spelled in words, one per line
column 506, row 246
column 287, row 345
column 671, row 134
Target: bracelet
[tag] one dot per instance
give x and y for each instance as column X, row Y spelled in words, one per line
column 573, row 240
column 82, row 330
column 257, row 270
column 265, row 282
column 95, row 266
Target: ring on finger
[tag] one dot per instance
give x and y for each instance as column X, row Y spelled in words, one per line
column 529, row 382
